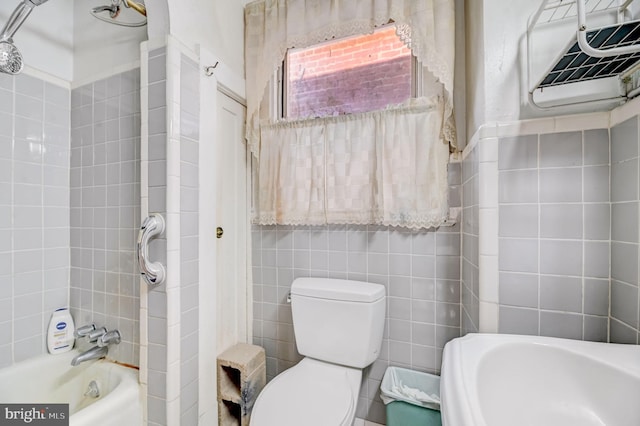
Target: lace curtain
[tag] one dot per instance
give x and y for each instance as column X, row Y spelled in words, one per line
column 273, row 26
column 387, row 167
column 366, row 168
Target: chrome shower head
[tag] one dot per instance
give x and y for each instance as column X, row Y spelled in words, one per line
column 10, row 57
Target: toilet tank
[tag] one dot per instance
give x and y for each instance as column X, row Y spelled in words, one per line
column 338, row 321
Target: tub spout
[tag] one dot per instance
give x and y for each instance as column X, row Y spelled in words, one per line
column 95, row 352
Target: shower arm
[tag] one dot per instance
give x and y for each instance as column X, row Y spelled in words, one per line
column 16, row 20
column 138, row 7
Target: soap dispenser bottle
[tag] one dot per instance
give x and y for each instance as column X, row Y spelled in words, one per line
column 60, row 336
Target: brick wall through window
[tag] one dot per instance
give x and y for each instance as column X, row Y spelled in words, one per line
column 356, row 74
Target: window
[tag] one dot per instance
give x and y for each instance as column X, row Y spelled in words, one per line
column 386, row 166
column 351, row 75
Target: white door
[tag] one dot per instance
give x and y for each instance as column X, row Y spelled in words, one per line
column 233, row 191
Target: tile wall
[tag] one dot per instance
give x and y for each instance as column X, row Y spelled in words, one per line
column 625, row 304
column 34, row 212
column 105, row 208
column 156, row 312
column 554, row 240
column 189, row 274
column 421, row 271
column 171, row 367
column 469, row 285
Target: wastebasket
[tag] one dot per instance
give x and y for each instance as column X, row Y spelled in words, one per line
column 411, row 397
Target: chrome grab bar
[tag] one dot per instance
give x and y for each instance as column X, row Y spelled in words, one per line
column 153, row 273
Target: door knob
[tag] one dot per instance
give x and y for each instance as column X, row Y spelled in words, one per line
column 219, row 232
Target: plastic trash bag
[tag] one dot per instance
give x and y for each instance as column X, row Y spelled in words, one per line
column 414, row 387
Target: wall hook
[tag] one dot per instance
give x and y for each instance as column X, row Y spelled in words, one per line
column 209, row 70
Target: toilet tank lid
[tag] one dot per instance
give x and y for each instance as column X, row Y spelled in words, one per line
column 334, row 289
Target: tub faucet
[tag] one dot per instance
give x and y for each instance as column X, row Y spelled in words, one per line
column 104, row 339
column 85, row 330
column 95, row 352
column 96, row 334
column 90, row 332
column 109, row 338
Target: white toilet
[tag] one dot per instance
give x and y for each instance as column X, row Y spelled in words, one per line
column 338, row 326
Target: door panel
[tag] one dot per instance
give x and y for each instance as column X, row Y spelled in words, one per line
column 233, row 219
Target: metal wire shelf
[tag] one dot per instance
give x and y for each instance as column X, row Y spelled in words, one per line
column 561, row 9
column 575, row 65
column 601, row 52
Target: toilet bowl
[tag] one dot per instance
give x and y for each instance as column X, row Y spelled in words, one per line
column 338, row 326
column 312, row 393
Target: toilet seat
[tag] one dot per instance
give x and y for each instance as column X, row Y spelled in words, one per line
column 312, row 393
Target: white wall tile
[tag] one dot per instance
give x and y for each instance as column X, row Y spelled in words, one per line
column 489, row 279
column 624, row 263
column 596, row 147
column 561, row 149
column 624, row 140
column 488, row 150
column 561, row 221
column 489, row 317
column 489, row 227
column 519, row 220
column 518, row 321
column 561, row 185
column 624, row 181
column 561, row 324
column 520, row 186
column 519, row 152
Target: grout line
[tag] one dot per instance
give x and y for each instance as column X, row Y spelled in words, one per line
column 539, row 266
column 584, row 241
column 12, row 213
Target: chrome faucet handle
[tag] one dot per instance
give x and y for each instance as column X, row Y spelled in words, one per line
column 109, row 338
column 84, row 330
column 96, row 334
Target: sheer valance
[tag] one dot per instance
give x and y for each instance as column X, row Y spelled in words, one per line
column 273, row 26
column 370, row 168
column 385, row 167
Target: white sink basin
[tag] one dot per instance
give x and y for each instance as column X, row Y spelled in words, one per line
column 509, row 380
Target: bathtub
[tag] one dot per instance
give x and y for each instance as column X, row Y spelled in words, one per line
column 51, row 379
column 507, row 380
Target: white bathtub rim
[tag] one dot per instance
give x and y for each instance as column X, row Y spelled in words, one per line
column 125, row 391
column 127, row 394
